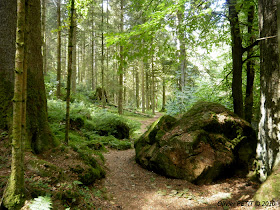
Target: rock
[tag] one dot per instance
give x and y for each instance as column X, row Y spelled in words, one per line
column 207, row 143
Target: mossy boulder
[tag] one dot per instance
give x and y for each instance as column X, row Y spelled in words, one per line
column 206, row 143
column 269, row 191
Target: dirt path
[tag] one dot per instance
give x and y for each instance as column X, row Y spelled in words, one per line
column 131, row 187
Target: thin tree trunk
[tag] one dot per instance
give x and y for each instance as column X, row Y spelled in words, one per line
column 14, row 193
column 58, row 75
column 102, row 58
column 249, row 100
column 237, row 52
column 137, row 88
column 182, row 50
column 153, row 85
column 70, row 57
column 147, row 88
column 163, row 90
column 74, row 54
column 143, row 85
column 92, row 53
column 121, row 67
column 44, row 36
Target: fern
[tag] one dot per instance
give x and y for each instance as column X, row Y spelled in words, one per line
column 41, row 203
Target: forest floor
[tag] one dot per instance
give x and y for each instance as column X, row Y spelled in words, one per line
column 129, row 186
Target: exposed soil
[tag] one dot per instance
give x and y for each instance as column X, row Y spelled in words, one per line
column 131, row 187
column 128, row 186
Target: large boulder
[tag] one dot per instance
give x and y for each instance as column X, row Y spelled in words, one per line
column 206, row 143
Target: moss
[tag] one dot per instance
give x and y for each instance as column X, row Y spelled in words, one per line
column 12, row 201
column 270, row 189
column 44, row 168
column 6, row 108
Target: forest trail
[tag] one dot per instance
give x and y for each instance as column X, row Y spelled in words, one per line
column 129, row 186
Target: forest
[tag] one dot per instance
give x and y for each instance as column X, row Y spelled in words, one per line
column 139, row 104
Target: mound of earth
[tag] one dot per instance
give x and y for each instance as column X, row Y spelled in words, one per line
column 206, row 143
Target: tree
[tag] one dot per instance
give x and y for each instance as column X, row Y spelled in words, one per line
column 58, row 71
column 69, row 75
column 249, row 99
column 268, row 138
column 8, row 11
column 39, row 137
column 44, row 36
column 121, row 65
column 236, row 59
column 14, row 192
column 181, row 38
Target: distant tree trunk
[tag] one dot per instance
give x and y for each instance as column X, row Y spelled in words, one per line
column 163, row 89
column 44, row 36
column 268, row 137
column 70, row 57
column 8, row 22
column 181, row 38
column 237, row 52
column 147, row 88
column 153, row 86
column 93, row 86
column 14, row 193
column 74, row 54
column 137, row 87
column 58, row 73
column 249, row 100
column 143, row 85
column 121, row 66
column 102, row 57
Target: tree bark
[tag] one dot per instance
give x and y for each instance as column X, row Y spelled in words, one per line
column 143, row 85
column 237, row 52
column 39, row 135
column 269, row 126
column 181, row 38
column 121, row 66
column 137, row 87
column 74, row 54
column 8, row 10
column 14, row 193
column 44, row 36
column 58, row 73
column 69, row 76
column 249, row 99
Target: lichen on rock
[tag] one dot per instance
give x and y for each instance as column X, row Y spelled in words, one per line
column 208, row 142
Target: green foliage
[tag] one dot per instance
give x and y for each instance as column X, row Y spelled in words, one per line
column 42, row 203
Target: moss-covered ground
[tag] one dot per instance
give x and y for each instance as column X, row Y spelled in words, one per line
column 69, row 174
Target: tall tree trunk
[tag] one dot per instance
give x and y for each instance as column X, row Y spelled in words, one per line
column 74, row 54
column 44, row 36
column 58, row 72
column 143, row 85
column 92, row 52
column 70, row 58
column 237, row 52
column 102, row 58
column 121, row 66
column 163, row 89
column 8, row 10
column 181, row 38
column 39, row 135
column 137, row 87
column 14, row 193
column 249, row 100
column 269, row 126
column 147, row 87
column 153, row 86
